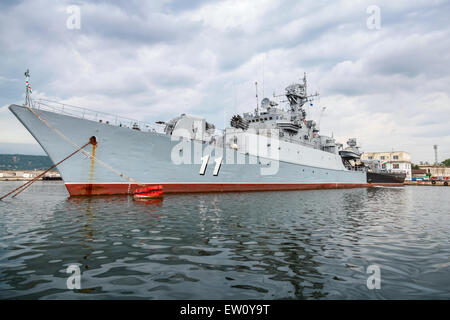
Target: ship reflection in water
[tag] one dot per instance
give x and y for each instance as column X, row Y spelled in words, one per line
column 269, row 245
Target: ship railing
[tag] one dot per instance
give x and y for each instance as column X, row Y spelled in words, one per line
column 92, row 115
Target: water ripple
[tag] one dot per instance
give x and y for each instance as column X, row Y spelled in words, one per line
column 271, row 245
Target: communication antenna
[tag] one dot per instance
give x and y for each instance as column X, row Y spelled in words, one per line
column 235, row 96
column 435, row 147
column 264, row 62
column 304, row 82
column 320, row 117
column 257, row 105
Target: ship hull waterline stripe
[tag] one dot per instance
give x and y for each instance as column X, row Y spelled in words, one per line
column 81, row 189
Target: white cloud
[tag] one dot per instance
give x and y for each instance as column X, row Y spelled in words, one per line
column 154, row 60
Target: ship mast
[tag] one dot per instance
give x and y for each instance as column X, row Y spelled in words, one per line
column 304, row 82
column 257, row 103
column 297, row 96
column 27, row 89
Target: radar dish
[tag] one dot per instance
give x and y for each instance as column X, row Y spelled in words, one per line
column 265, row 103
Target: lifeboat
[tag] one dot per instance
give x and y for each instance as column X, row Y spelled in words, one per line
column 151, row 192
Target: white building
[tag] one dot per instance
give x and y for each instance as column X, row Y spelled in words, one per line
column 395, row 161
column 436, row 171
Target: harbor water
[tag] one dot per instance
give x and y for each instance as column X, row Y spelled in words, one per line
column 264, row 245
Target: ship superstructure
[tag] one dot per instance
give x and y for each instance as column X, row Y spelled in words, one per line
column 292, row 124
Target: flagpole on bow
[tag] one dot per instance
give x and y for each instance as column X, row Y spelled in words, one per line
column 27, row 90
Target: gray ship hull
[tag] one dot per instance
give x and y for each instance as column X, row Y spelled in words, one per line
column 147, row 158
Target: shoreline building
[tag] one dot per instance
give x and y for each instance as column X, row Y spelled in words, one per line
column 395, row 161
column 26, row 175
column 435, row 171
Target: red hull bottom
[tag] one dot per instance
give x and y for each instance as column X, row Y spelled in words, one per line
column 123, row 188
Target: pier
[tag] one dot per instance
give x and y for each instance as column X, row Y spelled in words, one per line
column 427, row 182
column 26, row 175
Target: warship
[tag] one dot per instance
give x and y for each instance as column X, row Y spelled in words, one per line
column 376, row 173
column 273, row 147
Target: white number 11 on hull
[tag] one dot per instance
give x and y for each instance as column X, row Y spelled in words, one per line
column 217, row 167
column 205, row 160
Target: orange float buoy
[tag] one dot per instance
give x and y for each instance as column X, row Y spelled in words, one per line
column 151, row 192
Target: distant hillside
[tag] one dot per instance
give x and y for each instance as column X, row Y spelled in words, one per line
column 24, row 162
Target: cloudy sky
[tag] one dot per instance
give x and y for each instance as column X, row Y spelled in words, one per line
column 152, row 60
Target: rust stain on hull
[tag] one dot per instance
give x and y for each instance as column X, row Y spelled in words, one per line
column 91, row 170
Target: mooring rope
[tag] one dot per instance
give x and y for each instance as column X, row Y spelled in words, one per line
column 27, row 184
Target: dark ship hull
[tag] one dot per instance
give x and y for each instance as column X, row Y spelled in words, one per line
column 385, row 178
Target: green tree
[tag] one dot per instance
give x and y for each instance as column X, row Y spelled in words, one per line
column 446, row 162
